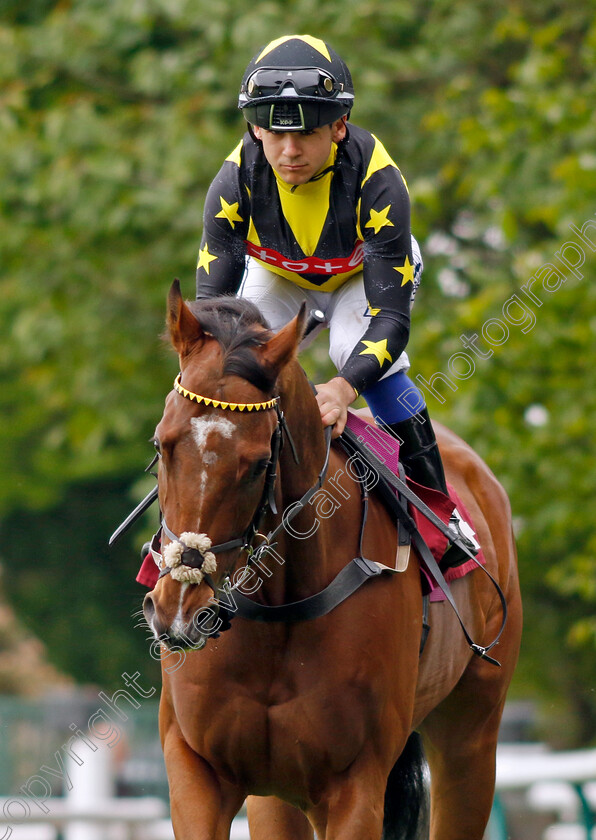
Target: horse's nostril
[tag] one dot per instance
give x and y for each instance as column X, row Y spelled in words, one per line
column 148, row 608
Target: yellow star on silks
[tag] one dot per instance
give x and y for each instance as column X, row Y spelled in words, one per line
column 205, row 258
column 229, row 212
column 378, row 219
column 378, row 349
column 406, row 270
column 372, row 311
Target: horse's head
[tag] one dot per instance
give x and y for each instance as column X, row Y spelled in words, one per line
column 217, row 443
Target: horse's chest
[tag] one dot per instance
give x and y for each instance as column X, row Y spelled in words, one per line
column 266, row 744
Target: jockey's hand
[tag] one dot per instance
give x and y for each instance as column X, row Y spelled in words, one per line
column 333, row 398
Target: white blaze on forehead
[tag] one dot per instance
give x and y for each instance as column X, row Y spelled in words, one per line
column 203, row 426
column 201, row 429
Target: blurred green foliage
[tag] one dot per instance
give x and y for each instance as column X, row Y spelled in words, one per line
column 113, row 120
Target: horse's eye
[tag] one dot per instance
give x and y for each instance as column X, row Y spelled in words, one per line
column 258, row 469
column 157, row 455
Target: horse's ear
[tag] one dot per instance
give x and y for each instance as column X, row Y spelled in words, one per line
column 278, row 351
column 185, row 330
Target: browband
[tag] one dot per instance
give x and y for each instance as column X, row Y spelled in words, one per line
column 230, row 406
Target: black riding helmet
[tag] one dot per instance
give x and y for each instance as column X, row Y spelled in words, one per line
column 296, row 83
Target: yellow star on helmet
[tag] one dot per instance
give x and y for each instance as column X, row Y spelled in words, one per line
column 406, row 270
column 378, row 349
column 229, row 212
column 378, row 219
column 205, row 258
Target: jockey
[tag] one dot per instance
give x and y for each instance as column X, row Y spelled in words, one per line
column 310, row 208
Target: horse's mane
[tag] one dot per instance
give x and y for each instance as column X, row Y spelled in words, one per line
column 238, row 325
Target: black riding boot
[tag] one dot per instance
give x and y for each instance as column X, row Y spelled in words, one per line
column 419, row 452
column 422, row 462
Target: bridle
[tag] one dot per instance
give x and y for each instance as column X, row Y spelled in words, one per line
column 346, row 582
column 194, row 558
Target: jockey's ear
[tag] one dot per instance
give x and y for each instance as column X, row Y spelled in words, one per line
column 339, row 130
column 185, row 330
column 283, row 346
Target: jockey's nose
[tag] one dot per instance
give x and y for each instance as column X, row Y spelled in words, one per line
column 292, row 146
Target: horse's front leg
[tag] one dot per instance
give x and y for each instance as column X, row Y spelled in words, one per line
column 270, row 817
column 202, row 806
column 353, row 806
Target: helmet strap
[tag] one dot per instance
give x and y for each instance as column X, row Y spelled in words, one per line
column 251, row 132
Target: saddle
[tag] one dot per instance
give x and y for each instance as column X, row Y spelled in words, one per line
column 381, row 450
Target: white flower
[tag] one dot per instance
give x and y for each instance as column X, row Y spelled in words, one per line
column 451, row 284
column 536, row 415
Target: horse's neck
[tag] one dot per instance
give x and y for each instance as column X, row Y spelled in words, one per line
column 304, row 424
column 297, row 563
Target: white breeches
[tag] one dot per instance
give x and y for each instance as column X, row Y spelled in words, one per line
column 345, row 309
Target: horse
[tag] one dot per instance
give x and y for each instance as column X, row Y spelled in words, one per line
column 318, row 724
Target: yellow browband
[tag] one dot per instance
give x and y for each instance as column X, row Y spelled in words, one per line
column 230, row 406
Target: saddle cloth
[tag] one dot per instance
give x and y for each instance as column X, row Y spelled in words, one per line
column 148, row 573
column 386, row 448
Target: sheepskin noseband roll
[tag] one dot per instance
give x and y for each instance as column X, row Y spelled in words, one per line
column 193, row 568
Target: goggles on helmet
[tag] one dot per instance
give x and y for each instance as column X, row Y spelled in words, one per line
column 305, row 81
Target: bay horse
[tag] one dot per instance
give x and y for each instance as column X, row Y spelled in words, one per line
column 312, row 720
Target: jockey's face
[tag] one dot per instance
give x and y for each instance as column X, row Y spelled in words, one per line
column 298, row 155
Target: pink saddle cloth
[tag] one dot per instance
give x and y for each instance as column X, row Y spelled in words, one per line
column 386, row 448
